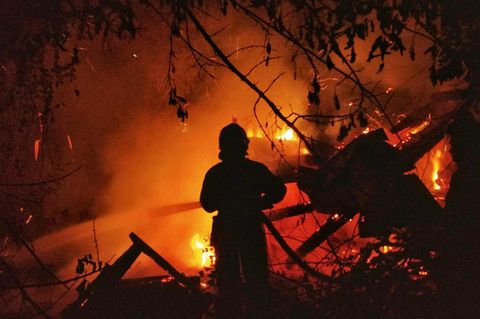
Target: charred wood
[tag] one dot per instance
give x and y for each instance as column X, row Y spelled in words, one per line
column 374, row 174
column 162, row 262
column 290, row 211
column 95, row 294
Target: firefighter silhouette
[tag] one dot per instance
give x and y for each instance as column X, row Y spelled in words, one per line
column 239, row 188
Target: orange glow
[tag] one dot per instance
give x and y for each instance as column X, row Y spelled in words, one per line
column 366, row 130
column 419, row 128
column 203, row 253
column 436, row 168
column 423, row 273
column 70, row 144
column 167, row 279
column 386, row 249
column 36, row 149
column 259, row 133
column 287, row 135
column 305, row 151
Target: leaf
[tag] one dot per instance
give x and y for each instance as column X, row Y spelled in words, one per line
column 336, row 101
column 182, row 113
column 375, row 46
column 82, row 287
column 313, row 98
column 363, row 121
column 330, row 64
column 351, row 41
column 359, row 30
column 411, row 52
column 380, row 67
column 315, row 85
column 352, row 122
column 353, row 56
column 343, row 133
column 80, row 269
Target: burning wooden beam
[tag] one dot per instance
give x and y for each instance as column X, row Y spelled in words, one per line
column 369, row 176
column 110, row 276
column 290, row 211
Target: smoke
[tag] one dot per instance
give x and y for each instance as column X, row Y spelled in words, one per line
column 137, row 157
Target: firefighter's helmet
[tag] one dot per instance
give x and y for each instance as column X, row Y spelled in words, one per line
column 233, row 139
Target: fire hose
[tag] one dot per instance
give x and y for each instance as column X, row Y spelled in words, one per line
column 272, row 215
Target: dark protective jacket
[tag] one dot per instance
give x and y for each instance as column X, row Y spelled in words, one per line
column 239, row 190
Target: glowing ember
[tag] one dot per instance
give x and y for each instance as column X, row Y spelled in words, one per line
column 423, row 273
column 70, row 144
column 386, row 249
column 167, row 279
column 419, row 128
column 36, row 149
column 204, row 254
column 436, row 168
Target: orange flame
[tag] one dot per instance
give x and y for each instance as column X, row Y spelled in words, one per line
column 258, row 133
column 386, row 249
column 436, row 168
column 287, row 135
column 36, row 149
column 419, row 127
column 203, row 253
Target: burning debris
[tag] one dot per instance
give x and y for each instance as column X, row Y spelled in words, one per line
column 108, row 296
column 204, row 253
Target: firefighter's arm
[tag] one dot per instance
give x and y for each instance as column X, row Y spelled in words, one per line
column 274, row 189
column 209, row 195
